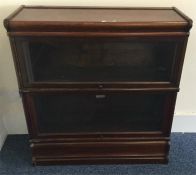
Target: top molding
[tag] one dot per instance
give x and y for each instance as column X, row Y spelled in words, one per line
column 97, row 19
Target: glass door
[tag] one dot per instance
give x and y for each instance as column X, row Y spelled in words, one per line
column 56, row 113
column 82, row 59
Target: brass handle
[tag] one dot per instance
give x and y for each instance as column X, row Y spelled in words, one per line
column 100, row 96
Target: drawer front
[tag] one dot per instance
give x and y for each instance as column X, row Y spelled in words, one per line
column 64, row 60
column 100, row 152
column 63, row 113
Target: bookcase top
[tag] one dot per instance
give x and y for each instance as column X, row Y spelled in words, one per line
column 54, row 16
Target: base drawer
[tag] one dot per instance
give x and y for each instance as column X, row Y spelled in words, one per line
column 100, row 152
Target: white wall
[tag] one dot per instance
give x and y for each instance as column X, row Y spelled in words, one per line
column 12, row 112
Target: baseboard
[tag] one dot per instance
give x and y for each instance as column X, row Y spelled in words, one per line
column 3, row 133
column 3, row 136
column 184, row 123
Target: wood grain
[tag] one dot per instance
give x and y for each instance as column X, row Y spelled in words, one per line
column 46, row 40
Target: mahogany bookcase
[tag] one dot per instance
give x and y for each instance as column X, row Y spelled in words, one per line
column 98, row 85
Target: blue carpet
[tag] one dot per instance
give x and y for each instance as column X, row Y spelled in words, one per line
column 15, row 158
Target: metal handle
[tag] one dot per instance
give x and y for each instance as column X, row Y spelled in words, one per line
column 100, row 96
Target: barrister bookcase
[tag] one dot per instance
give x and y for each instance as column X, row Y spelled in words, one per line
column 98, row 85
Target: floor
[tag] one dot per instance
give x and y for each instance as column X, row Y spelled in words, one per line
column 15, row 158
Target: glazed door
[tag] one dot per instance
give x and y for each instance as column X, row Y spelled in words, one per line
column 64, row 113
column 64, row 60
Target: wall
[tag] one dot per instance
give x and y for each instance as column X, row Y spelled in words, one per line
column 12, row 113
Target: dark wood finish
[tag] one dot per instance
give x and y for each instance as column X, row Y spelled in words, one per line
column 55, row 19
column 161, row 73
column 98, row 85
column 137, row 104
column 99, row 152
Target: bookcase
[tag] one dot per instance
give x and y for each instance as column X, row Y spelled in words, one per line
column 98, row 84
